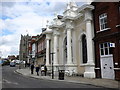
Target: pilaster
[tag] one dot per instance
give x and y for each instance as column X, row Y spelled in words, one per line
column 69, row 47
column 89, row 67
column 55, row 49
column 47, row 52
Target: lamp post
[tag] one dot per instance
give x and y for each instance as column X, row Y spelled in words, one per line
column 52, row 66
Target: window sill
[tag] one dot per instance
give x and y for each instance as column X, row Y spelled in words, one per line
column 116, row 68
column 117, row 25
column 103, row 30
column 97, row 68
column 106, row 55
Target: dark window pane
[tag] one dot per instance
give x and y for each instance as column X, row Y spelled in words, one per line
column 65, row 50
column 108, row 44
column 110, row 51
column 105, row 45
column 102, row 21
column 101, row 45
column 102, row 27
column 102, row 52
column 105, row 20
column 106, row 25
column 106, row 51
column 84, row 49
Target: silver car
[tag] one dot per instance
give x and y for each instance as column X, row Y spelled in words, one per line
column 12, row 64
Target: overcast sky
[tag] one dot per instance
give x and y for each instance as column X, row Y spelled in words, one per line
column 25, row 17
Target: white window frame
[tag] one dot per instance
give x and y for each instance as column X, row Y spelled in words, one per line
column 108, row 49
column 103, row 16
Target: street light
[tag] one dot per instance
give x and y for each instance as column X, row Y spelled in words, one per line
column 52, row 66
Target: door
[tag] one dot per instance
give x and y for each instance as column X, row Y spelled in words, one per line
column 106, row 59
column 107, row 69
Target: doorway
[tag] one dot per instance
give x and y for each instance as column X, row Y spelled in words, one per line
column 106, row 59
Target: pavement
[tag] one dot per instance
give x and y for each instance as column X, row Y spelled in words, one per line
column 107, row 83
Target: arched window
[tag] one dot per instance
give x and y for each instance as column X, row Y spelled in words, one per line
column 65, row 50
column 84, row 48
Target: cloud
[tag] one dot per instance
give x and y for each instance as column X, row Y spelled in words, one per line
column 7, row 4
column 8, row 45
column 24, row 17
column 2, row 25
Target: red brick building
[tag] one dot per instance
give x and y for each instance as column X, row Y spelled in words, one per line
column 37, row 49
column 41, row 49
column 107, row 39
column 31, row 49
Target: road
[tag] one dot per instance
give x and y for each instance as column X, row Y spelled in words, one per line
column 14, row 80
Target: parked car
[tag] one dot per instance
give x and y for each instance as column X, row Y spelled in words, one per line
column 17, row 61
column 12, row 64
column 0, row 62
column 5, row 62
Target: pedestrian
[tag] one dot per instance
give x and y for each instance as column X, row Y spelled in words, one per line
column 25, row 63
column 42, row 70
column 37, row 69
column 32, row 68
column 45, row 70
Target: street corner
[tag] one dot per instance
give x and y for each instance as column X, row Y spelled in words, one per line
column 22, row 72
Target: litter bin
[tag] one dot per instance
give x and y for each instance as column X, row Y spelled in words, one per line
column 61, row 74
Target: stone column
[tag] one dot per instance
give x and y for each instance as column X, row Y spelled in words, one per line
column 55, row 49
column 69, row 49
column 47, row 51
column 89, row 42
column 89, row 68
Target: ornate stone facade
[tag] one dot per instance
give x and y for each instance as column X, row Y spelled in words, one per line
column 67, row 37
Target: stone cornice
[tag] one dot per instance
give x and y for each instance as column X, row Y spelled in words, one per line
column 85, row 7
column 68, row 18
column 78, row 16
column 69, row 11
column 54, row 26
column 62, row 25
column 72, row 18
column 47, row 32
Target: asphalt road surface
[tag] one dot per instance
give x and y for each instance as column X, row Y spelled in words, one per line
column 10, row 79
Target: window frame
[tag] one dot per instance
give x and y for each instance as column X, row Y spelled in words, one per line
column 102, row 24
column 105, row 48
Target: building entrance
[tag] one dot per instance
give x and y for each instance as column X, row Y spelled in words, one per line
column 107, row 69
column 106, row 58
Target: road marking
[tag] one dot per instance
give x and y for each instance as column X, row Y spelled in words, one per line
column 6, row 81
